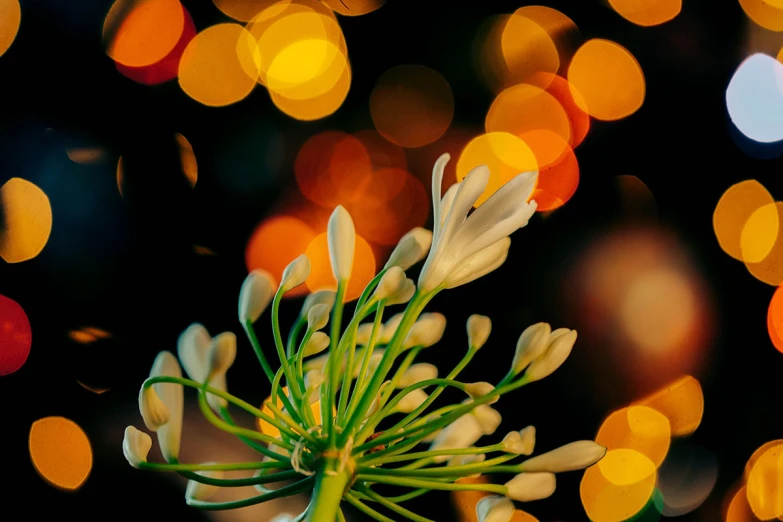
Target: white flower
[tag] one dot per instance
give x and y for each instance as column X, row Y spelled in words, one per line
column 411, row 401
column 488, row 418
column 403, row 294
column 200, row 491
column 171, row 397
column 318, row 342
column 136, row 446
column 318, row 316
column 416, row 373
column 153, row 411
column 520, row 442
column 494, row 508
column 295, row 273
column 411, row 248
column 576, row 455
column 462, row 433
column 530, row 345
column 325, row 297
column 257, row 292
column 467, row 247
column 561, row 341
column 391, row 283
column 479, row 327
column 341, row 236
column 198, row 353
column 390, row 328
column 527, row 487
column 426, row 331
column 480, row 389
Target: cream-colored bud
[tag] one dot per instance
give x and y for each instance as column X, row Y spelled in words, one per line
column 528, row 440
column 576, row 455
column 488, row 418
column 200, row 491
column 416, row 373
column 530, row 345
column 295, row 273
column 427, row 331
column 222, row 353
column 341, row 237
column 314, row 379
column 318, row 342
column 527, row 487
column 494, row 508
column 193, row 348
column 257, row 292
column 462, row 433
column 411, row 401
column 479, row 327
column 403, row 294
column 391, row 283
column 325, row 297
column 561, row 342
column 172, row 395
column 520, row 442
column 480, row 389
column 411, row 248
column 390, row 328
column 153, row 410
column 317, row 317
column 136, row 446
column 316, row 363
column 364, row 332
column 463, row 460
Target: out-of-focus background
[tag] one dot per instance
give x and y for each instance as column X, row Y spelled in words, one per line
column 154, row 151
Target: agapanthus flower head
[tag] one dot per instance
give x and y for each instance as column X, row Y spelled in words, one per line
column 352, row 405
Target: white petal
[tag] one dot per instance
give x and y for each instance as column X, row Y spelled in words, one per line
column 411, row 401
column 341, row 236
column 576, row 455
column 411, row 248
column 193, row 348
column 173, row 396
column 152, row 408
column 479, row 264
column 554, row 356
column 479, row 389
column 416, row 373
column 437, row 182
column 479, row 327
column 446, row 201
column 256, row 293
column 222, row 353
column 530, row 345
column 318, row 316
column 390, row 283
column 295, row 273
column 403, row 294
column 527, row 487
column 494, row 508
column 460, row 434
column 136, row 446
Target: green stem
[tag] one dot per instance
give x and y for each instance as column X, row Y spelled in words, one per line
column 368, row 460
column 286, row 491
column 388, row 504
column 154, row 466
column 294, row 334
column 327, row 495
column 251, row 334
column 489, row 466
column 360, row 380
column 364, row 508
column 333, row 364
column 292, row 385
column 431, row 484
column 226, row 415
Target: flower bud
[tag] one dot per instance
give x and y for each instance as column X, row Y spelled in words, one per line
column 488, row 418
column 314, row 379
column 317, row 317
column 480, row 389
column 462, row 460
column 403, row 294
column 527, row 487
column 479, row 327
column 136, row 446
column 325, row 297
column 222, row 353
column 390, row 328
column 576, row 455
column 193, row 348
column 364, row 332
column 172, row 396
column 561, row 341
column 200, row 491
column 295, row 273
column 494, row 508
column 462, row 433
column 411, row 401
column 520, row 442
column 341, row 237
column 257, row 292
column 153, row 411
column 318, row 342
column 427, row 331
column 416, row 373
column 411, row 248
column 391, row 282
column 530, row 345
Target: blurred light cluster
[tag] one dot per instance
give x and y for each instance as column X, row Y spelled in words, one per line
column 61, row 452
column 293, row 48
column 646, row 12
column 758, row 495
column 640, row 476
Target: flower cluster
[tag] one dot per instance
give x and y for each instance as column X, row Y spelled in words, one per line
column 350, row 408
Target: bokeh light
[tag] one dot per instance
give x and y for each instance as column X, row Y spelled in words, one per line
column 137, row 33
column 214, row 67
column 243, row 10
column 187, row 159
column 769, row 269
column 686, row 478
column 506, row 156
column 732, row 212
column 88, row 335
column 558, row 169
column 765, row 484
column 759, row 234
column 16, row 337
column 276, row 242
column 647, row 12
column 565, row 94
column 605, row 500
column 60, row 452
column 353, row 7
column 26, row 220
column 317, row 107
column 636, row 199
column 269, row 429
column 637, row 428
column 464, row 502
column 765, row 13
column 682, row 402
column 738, row 509
column 761, row 450
column 321, row 276
column 754, row 98
column 10, row 18
column 86, row 155
column 412, row 105
column 607, row 80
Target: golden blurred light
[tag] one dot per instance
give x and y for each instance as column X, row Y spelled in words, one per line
column 765, row 484
column 524, row 108
column 137, row 33
column 732, row 212
column 15, row 336
column 775, row 319
column 770, row 269
column 565, row 94
column 321, row 276
column 10, row 18
column 607, row 80
column 88, row 335
column 60, row 452
column 220, row 65
column 738, row 509
column 203, row 251
column 353, row 7
column 765, row 13
column 647, row 12
column 383, row 154
column 487, row 53
column 86, row 155
column 558, row 171
column 761, row 450
column 686, row 478
column 527, row 48
column 306, row 69
column 268, row 429
column 759, row 234
column 637, row 428
column 464, row 502
column 276, row 242
column 187, row 159
column 411, row 105
column 682, row 402
column 317, row 107
column 521, row 516
column 243, row 10
column 506, row 156
column 26, row 220
column 605, row 501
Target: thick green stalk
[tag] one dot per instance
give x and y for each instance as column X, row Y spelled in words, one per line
column 327, row 495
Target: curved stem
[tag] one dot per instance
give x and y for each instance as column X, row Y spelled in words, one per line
column 368, row 460
column 489, row 466
column 431, row 484
column 410, row 515
column 328, row 402
column 367, row 510
column 240, row 466
column 251, row 334
column 286, row 491
column 289, row 376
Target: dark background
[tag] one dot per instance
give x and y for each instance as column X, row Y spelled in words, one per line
column 128, row 266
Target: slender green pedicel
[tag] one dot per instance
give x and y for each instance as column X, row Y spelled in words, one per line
column 379, row 406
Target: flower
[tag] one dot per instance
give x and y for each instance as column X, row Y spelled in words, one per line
column 295, row 273
column 479, row 389
column 318, row 342
column 325, row 297
column 530, row 345
column 171, row 398
column 318, row 316
column 576, row 455
column 462, row 433
column 417, row 373
column 341, row 237
column 467, row 247
column 411, row 248
column 136, row 446
column 479, row 327
column 558, row 348
column 527, row 487
column 257, row 292
column 494, row 508
column 411, row 401
column 196, row 348
column 427, row 331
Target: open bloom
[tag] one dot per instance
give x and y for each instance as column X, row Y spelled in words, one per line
column 465, row 247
